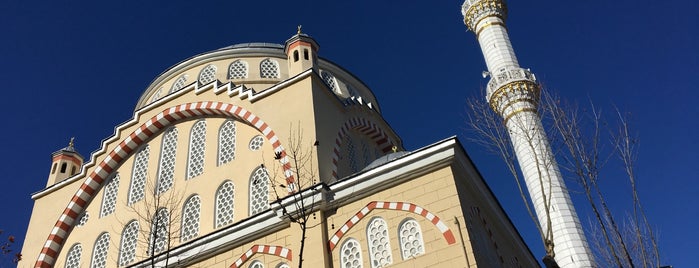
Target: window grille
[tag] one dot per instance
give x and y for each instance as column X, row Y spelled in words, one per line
column 99, row 253
column 259, row 191
column 139, row 175
column 127, row 250
column 329, row 80
column 156, row 96
column 256, row 143
column 110, row 196
column 225, row 204
column 269, row 69
column 226, row 142
column 410, row 237
column 195, row 161
column 379, row 243
column 351, row 254
column 256, row 264
column 159, row 232
column 190, row 218
column 74, row 255
column 178, row 84
column 83, row 219
column 207, row 75
column 166, row 171
column 238, row 70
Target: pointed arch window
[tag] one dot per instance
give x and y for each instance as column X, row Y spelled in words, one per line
column 195, row 160
column 127, row 250
column 269, row 68
column 410, row 238
column 110, row 196
column 99, row 253
column 379, row 243
column 207, row 75
column 159, row 232
column 190, row 218
column 139, row 175
column 238, row 70
column 225, row 204
column 330, row 80
column 178, row 84
column 351, row 254
column 166, row 169
column 226, row 142
column 259, row 191
column 74, row 255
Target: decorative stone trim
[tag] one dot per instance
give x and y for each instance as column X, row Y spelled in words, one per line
column 400, row 206
column 97, row 178
column 263, row 249
column 476, row 10
column 526, row 90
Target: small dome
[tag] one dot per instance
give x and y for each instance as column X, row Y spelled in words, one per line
column 385, row 159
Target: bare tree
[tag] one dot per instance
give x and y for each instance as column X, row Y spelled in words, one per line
column 160, row 217
column 583, row 152
column 6, row 250
column 300, row 157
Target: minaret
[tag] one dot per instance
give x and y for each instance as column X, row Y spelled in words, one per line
column 66, row 162
column 513, row 93
column 302, row 51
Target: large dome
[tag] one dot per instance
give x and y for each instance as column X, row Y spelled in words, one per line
column 256, row 66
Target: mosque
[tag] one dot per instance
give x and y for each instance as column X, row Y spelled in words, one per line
column 269, row 155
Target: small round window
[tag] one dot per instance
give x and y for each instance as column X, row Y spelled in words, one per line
column 256, row 142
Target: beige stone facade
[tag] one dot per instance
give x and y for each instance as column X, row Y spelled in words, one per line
column 211, row 143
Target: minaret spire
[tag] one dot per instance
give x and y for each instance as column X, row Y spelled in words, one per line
column 513, row 93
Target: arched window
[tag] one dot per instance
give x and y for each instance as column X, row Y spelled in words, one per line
column 225, row 204
column 269, row 68
column 190, row 218
column 99, row 252
column 159, row 231
column 156, row 96
column 53, row 169
column 63, row 167
column 256, row 264
column 83, row 219
column 305, row 54
column 178, row 84
column 127, row 250
column 74, row 255
column 110, row 196
column 259, row 191
column 283, row 265
column 166, row 169
column 256, row 143
column 379, row 243
column 238, row 70
column 226, row 142
column 329, row 80
column 195, row 160
column 296, row 55
column 139, row 175
column 351, row 254
column 410, row 238
column 207, row 75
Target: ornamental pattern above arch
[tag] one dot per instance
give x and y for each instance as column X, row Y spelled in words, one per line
column 400, row 206
column 366, row 127
column 97, row 178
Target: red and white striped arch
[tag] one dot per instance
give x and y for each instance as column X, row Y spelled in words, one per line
column 263, row 249
column 95, row 180
column 366, row 127
column 400, row 206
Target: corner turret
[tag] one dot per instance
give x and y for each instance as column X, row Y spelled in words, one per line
column 66, row 162
column 302, row 53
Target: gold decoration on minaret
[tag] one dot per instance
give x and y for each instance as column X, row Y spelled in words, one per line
column 298, row 29
column 71, row 144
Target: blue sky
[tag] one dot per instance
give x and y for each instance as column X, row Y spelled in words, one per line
column 77, row 69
